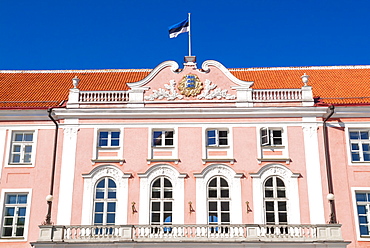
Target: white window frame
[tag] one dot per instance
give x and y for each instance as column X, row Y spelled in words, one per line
column 354, row 202
column 105, row 200
column 275, row 199
column 233, row 179
column 97, row 148
column 10, row 144
column 291, row 190
column 358, row 141
column 177, row 180
column 161, row 200
column 163, row 138
column 217, row 137
column 90, row 180
column 4, row 192
column 218, row 200
column 109, row 139
column 270, row 136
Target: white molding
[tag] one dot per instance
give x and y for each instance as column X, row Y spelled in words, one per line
column 174, row 66
column 177, row 180
column 90, row 180
column 3, row 150
column 224, row 70
column 348, row 144
column 291, row 186
column 28, row 212
column 233, row 179
column 67, row 173
column 313, row 171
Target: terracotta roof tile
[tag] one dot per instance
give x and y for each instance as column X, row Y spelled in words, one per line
column 42, row 89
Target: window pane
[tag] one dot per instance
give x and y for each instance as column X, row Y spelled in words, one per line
column 111, row 218
column 211, row 137
column 282, row 218
column 167, row 183
column 21, row 221
column 155, row 217
column 168, row 142
column 111, row 183
column 99, row 194
column 269, row 182
column 28, row 149
column 112, row 194
column 103, row 135
column 103, row 142
column 168, row 206
column 364, row 135
column 269, row 206
column 19, row 231
column 98, row 220
column 22, row 211
column 279, row 182
column 156, row 206
column 270, row 218
column 211, row 141
column 366, row 156
column 11, row 199
column 353, row 135
column 157, row 183
column 28, row 137
column 101, row 184
column 27, row 158
column 114, row 142
column 213, row 183
column 355, row 156
column 99, row 206
column 115, row 135
column 7, row 231
column 167, row 217
column 157, row 138
column 361, row 209
column 282, row 206
column 212, row 193
column 355, row 147
column 224, row 193
column 212, row 206
column 156, row 193
column 225, row 206
column 361, row 197
column 269, row 193
column 362, row 219
column 364, row 230
column 167, row 193
column 18, row 137
column 212, row 217
column 281, row 193
column 225, row 217
column 22, row 199
column 9, row 211
column 111, row 207
column 223, row 183
column 8, row 221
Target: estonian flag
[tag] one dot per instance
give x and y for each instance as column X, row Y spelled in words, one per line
column 179, row 28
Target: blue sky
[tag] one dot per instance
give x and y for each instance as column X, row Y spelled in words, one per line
column 81, row 34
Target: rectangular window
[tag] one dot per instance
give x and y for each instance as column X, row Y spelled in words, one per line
column 363, row 207
column 14, row 216
column 21, row 148
column 216, row 137
column 163, row 138
column 271, row 136
column 360, row 145
column 109, row 138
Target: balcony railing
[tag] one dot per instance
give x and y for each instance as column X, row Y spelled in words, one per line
column 276, row 95
column 193, row 233
column 103, row 96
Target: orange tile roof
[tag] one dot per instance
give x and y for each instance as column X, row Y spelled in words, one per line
column 49, row 88
column 42, row 89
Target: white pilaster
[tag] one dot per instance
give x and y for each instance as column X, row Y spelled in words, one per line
column 67, row 174
column 314, row 183
column 2, row 148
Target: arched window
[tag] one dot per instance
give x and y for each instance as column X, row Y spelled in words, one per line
column 218, row 201
column 161, row 202
column 105, row 201
column 275, row 201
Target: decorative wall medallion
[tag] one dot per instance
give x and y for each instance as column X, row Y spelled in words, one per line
column 209, row 93
column 190, row 85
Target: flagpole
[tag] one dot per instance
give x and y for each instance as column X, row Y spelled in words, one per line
column 189, row 35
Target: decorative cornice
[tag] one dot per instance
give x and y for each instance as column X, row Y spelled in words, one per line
column 174, row 66
column 223, row 69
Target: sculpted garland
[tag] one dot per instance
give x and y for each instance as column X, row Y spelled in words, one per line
column 190, row 85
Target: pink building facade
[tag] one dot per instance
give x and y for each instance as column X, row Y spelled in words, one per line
column 187, row 157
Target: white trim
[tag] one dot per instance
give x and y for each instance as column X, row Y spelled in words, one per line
column 313, row 174
column 95, row 149
column 3, row 142
column 226, row 72
column 355, row 214
column 177, row 181
column 28, row 212
column 9, row 144
column 174, row 66
column 232, row 178
column 291, row 188
column 67, row 173
column 174, row 149
column 90, row 180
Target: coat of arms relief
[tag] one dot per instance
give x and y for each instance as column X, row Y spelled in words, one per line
column 189, row 86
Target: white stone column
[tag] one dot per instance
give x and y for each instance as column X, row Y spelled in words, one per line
column 314, row 181
column 67, row 173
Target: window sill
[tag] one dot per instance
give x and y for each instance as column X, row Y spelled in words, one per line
column 12, row 239
column 154, row 160
column 207, row 160
column 218, row 147
column 108, row 147
column 273, row 147
column 286, row 160
column 19, row 165
column 108, row 160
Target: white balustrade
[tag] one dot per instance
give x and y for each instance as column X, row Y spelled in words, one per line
column 276, row 95
column 103, row 96
column 216, row 233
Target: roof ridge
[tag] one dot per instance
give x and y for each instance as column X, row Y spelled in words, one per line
column 335, row 67
column 76, row 71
